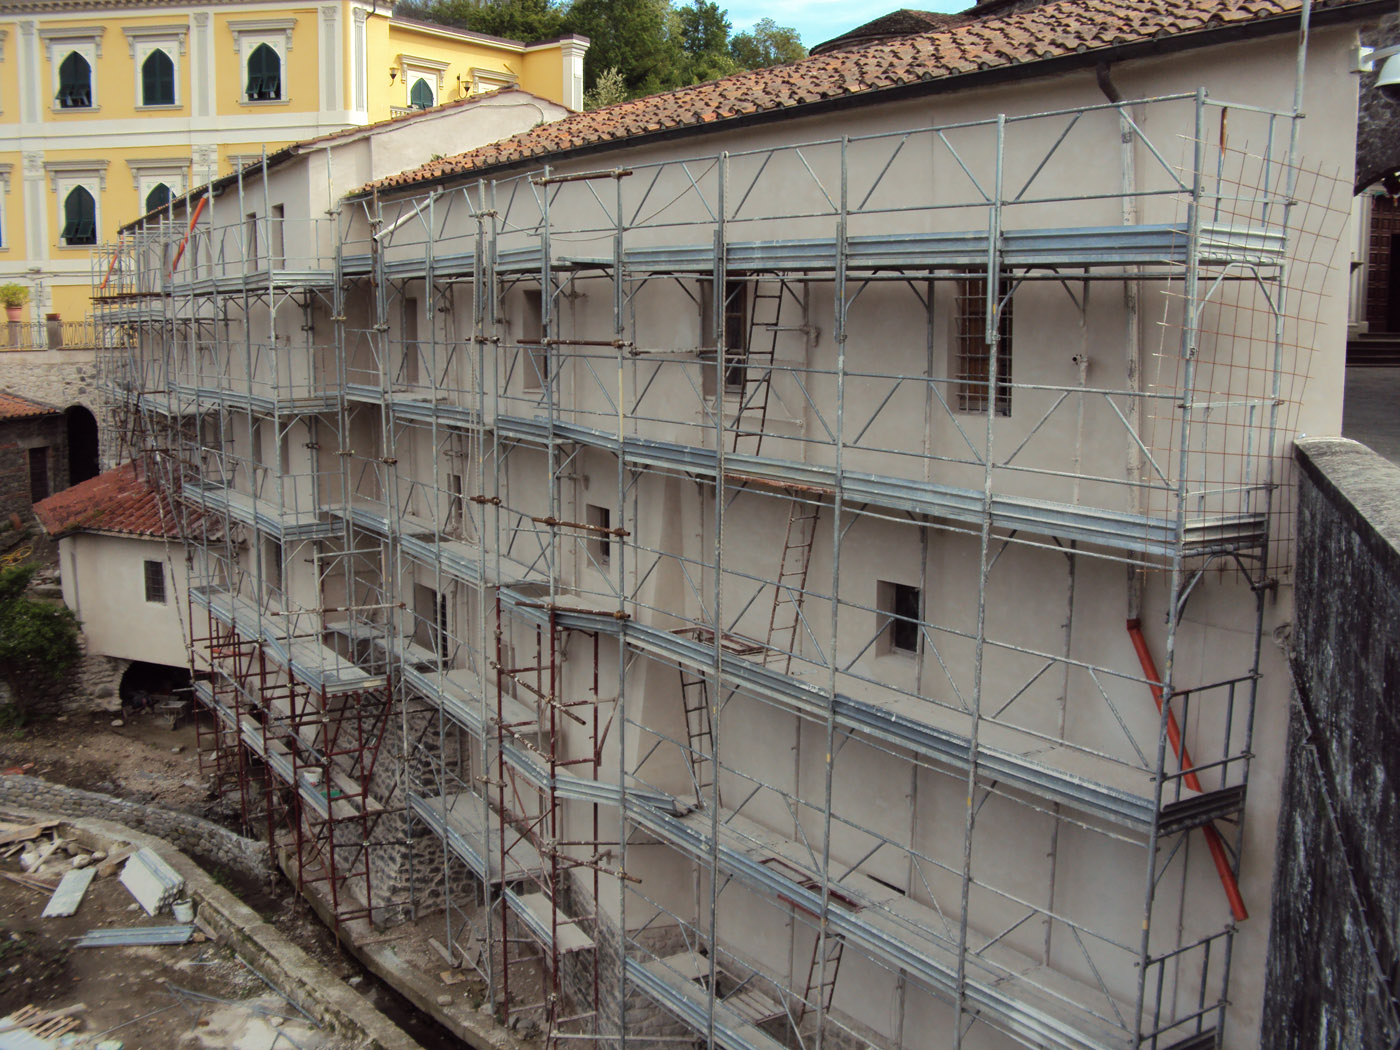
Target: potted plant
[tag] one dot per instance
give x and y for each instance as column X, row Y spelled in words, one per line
column 13, row 297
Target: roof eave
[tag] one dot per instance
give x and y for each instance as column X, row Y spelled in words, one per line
column 1273, row 25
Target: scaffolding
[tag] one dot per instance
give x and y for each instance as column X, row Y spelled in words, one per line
column 745, row 635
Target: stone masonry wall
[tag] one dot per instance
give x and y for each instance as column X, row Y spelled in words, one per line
column 17, row 437
column 186, row 831
column 61, row 378
column 1334, row 952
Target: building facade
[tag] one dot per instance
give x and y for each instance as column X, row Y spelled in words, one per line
column 794, row 561
column 109, row 110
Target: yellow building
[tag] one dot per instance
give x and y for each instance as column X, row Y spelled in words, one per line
column 108, row 108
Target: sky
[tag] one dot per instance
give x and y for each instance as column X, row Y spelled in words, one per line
column 818, row 20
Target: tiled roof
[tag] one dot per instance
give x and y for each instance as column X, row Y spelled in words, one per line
column 12, row 406
column 904, row 22
column 1056, row 30
column 120, row 501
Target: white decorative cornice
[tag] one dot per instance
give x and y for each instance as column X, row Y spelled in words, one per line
column 62, row 34
column 58, row 169
column 201, row 19
column 361, row 16
column 242, row 27
column 176, row 31
column 3, row 34
column 156, row 166
column 407, row 61
column 5, row 170
column 33, row 163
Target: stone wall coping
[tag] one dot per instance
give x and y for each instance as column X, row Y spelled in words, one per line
column 1364, row 487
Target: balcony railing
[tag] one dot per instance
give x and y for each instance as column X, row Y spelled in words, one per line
column 48, row 335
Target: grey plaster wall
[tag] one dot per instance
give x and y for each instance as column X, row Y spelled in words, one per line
column 1332, row 963
column 61, row 378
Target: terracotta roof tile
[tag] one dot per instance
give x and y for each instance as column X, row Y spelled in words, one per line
column 1053, row 30
column 12, row 406
column 120, row 501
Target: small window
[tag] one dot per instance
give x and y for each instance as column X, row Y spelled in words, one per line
column 279, row 239
column 736, row 336
column 159, row 197
column 155, row 582
column 264, row 75
column 532, row 338
column 158, row 80
column 456, row 504
column 74, row 82
column 600, row 535
column 38, row 474
column 420, row 96
column 79, row 218
column 897, row 608
column 975, row 356
column 250, row 239
column 272, row 567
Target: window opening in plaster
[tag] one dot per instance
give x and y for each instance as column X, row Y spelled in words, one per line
column 74, row 82
column 279, row 240
column 264, row 75
column 79, row 217
column 155, row 582
column 736, row 336
column 975, row 355
column 410, row 342
column 600, row 543
column 250, row 239
column 897, row 611
column 38, row 474
column 158, row 80
column 272, row 567
column 532, row 336
column 430, row 612
column 456, row 504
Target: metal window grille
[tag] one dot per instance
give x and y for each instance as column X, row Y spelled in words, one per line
column 975, row 356
column 155, row 582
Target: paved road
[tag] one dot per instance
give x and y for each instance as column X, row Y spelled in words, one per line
column 1371, row 412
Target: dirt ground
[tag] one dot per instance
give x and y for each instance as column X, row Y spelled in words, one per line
column 143, row 760
column 157, row 998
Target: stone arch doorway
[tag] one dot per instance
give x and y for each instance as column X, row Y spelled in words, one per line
column 82, row 444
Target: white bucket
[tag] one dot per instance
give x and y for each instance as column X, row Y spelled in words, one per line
column 183, row 910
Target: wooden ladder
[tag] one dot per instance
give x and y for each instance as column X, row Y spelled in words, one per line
column 790, row 588
column 821, row 984
column 699, row 730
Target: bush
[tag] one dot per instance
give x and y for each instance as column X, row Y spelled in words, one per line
column 13, row 295
column 38, row 642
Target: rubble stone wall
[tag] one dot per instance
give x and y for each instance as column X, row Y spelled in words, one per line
column 186, row 831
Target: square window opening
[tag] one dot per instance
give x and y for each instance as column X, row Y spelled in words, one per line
column 38, row 474
column 736, row 336
column 532, row 338
column 898, row 612
column 600, row 538
column 974, row 355
column 155, row 582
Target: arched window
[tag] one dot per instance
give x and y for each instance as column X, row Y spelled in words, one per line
column 157, row 80
column 74, row 82
column 79, row 218
column 159, row 197
column 420, row 96
column 264, row 75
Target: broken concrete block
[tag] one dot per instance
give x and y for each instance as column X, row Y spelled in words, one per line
column 153, row 882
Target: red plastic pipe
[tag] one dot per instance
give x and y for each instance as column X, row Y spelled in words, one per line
column 111, row 264
column 198, row 209
column 1213, row 840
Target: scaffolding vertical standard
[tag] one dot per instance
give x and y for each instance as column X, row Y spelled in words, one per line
column 715, row 605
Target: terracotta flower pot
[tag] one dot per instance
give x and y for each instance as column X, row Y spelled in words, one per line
column 14, row 313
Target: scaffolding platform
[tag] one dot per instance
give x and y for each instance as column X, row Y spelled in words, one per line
column 672, row 983
column 458, row 819
column 266, row 515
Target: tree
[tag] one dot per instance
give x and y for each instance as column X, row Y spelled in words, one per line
column 606, row 90
column 38, row 641
column 766, row 44
column 641, row 39
column 525, row 20
column 705, row 41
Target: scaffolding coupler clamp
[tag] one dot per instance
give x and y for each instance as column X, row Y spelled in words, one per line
column 495, row 501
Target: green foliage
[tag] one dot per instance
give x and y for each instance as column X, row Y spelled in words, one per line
column 38, row 640
column 766, row 44
column 645, row 46
column 606, row 90
column 13, row 295
column 526, row 20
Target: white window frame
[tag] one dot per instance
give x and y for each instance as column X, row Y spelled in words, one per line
column 58, row 43
column 146, row 175
column 248, row 33
column 64, row 177
column 414, row 67
column 5, row 170
column 484, row 80
column 141, row 41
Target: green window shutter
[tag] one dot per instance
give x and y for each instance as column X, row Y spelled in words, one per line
column 158, row 80
column 264, row 75
column 74, row 82
column 79, row 217
column 421, row 95
column 158, row 198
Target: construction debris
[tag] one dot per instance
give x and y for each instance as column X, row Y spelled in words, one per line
column 180, row 933
column 23, row 832
column 153, row 882
column 69, row 894
column 30, row 1028
column 31, row 882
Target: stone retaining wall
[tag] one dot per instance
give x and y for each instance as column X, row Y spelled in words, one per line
column 188, row 832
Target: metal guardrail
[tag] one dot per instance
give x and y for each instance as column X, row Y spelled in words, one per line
column 48, row 335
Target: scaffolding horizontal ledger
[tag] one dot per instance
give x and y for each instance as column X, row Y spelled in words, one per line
column 674, row 576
